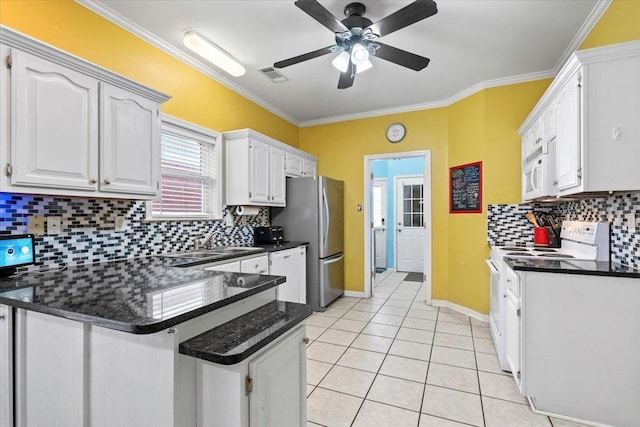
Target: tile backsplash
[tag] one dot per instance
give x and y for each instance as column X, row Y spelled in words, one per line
column 507, row 224
column 88, row 232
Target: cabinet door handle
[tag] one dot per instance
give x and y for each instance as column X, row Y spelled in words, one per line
column 106, row 181
column 1, row 317
column 287, row 256
column 93, row 181
column 305, row 340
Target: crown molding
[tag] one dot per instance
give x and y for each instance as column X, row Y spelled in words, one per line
column 436, row 104
column 588, row 24
column 110, row 15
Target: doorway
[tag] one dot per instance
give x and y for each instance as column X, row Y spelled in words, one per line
column 379, row 205
column 409, row 226
column 418, row 236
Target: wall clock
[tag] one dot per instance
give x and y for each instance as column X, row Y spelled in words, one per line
column 395, row 132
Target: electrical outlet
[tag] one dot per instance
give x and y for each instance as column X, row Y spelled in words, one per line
column 35, row 225
column 631, row 221
column 229, row 220
column 54, row 225
column 119, row 223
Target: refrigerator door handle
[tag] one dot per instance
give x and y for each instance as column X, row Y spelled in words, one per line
column 325, row 203
column 334, row 260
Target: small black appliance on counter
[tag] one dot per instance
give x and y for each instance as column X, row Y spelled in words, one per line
column 273, row 235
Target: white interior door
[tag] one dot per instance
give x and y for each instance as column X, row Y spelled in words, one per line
column 410, row 229
column 380, row 222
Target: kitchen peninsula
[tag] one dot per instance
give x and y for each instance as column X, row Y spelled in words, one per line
column 102, row 344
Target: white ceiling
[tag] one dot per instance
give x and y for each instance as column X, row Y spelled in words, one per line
column 471, row 44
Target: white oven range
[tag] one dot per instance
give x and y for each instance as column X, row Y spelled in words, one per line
column 581, row 241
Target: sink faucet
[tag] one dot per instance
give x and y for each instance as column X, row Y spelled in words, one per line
column 206, row 242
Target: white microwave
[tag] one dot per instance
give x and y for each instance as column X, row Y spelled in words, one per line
column 539, row 174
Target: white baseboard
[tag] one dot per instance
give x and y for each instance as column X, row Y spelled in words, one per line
column 461, row 309
column 354, row 294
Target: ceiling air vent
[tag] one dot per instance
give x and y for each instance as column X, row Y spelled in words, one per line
column 273, row 75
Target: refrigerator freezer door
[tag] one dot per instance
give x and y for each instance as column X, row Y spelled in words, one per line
column 331, row 279
column 331, row 204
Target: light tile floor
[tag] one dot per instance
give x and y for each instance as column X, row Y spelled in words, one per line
column 393, row 360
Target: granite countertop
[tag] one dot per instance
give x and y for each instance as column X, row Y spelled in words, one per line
column 591, row 268
column 281, row 247
column 239, row 338
column 139, row 295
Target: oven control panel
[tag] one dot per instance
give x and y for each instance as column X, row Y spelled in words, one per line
column 591, row 233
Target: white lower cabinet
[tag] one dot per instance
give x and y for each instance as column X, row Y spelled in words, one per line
column 6, row 366
column 266, row 390
column 291, row 263
column 257, row 264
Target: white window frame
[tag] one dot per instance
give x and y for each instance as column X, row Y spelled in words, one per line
column 187, row 129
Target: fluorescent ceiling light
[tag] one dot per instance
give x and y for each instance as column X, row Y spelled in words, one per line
column 341, row 62
column 359, row 54
column 212, row 53
column 364, row 66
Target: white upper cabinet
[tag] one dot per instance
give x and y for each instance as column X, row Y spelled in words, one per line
column 293, row 165
column 309, row 167
column 257, row 167
column 568, row 173
column 259, row 157
column 277, row 179
column 593, row 109
column 71, row 128
column 54, row 126
column 130, row 142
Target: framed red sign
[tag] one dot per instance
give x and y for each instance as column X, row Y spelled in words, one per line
column 465, row 188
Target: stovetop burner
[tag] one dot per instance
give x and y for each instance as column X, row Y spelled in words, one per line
column 514, row 248
column 545, row 250
column 523, row 254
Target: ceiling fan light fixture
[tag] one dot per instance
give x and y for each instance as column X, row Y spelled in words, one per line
column 213, row 53
column 341, row 62
column 359, row 54
column 364, row 66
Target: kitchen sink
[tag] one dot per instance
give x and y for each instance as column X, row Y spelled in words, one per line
column 212, row 253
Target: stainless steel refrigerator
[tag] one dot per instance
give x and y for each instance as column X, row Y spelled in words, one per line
column 314, row 214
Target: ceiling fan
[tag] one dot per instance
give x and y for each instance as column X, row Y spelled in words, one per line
column 357, row 38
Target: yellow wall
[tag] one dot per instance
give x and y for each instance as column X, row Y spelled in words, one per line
column 620, row 23
column 341, row 148
column 482, row 127
column 195, row 97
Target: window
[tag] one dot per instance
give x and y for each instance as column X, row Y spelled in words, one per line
column 190, row 184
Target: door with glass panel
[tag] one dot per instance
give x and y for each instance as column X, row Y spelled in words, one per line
column 409, row 227
column 380, row 222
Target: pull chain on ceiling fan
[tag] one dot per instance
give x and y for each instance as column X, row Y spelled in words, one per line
column 357, row 38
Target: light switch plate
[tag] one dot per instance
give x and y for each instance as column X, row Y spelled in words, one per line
column 120, row 223
column 54, row 225
column 35, row 225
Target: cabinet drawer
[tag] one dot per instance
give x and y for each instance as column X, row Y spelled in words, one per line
column 512, row 281
column 257, row 265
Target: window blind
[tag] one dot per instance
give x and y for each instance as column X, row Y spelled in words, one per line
column 188, row 169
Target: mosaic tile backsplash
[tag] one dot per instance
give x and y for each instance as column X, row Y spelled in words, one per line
column 88, row 232
column 508, row 226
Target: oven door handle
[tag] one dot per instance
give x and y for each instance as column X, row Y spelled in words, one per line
column 492, row 266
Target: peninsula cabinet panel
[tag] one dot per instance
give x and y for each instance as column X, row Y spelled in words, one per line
column 51, row 367
column 6, row 366
column 54, row 125
column 130, row 142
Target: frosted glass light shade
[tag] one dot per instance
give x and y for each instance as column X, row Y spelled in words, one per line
column 364, row 66
column 212, row 53
column 341, row 62
column 359, row 54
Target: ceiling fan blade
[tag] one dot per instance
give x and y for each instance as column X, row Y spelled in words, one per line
column 401, row 57
column 322, row 15
column 303, row 57
column 410, row 14
column 346, row 78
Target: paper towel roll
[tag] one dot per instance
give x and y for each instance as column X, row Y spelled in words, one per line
column 247, row 210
